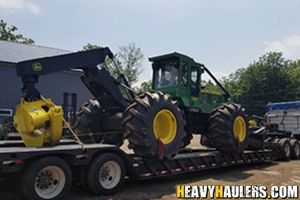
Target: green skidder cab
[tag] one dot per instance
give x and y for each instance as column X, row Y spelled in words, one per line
column 180, row 76
column 163, row 121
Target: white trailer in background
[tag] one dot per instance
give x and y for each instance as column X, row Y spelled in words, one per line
column 285, row 116
column 282, row 124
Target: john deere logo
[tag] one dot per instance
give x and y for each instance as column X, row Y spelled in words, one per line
column 37, row 66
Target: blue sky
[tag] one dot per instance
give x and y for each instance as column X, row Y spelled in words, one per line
column 223, row 34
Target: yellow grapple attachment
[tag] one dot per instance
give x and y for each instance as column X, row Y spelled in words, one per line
column 40, row 123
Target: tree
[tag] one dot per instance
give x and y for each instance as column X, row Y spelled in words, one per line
column 8, row 33
column 90, row 47
column 144, row 87
column 129, row 59
column 294, row 74
column 263, row 81
column 210, row 87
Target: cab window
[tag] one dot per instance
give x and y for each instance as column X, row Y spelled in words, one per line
column 166, row 74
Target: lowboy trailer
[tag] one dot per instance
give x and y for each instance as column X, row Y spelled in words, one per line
column 48, row 172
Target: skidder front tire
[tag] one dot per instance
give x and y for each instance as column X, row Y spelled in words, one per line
column 187, row 139
column 154, row 126
column 205, row 141
column 228, row 128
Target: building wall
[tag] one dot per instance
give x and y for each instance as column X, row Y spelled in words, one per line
column 52, row 86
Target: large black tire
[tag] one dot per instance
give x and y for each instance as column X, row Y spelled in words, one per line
column 295, row 149
column 106, row 174
column 49, row 170
column 221, row 128
column 139, row 120
column 205, row 141
column 187, row 139
column 88, row 125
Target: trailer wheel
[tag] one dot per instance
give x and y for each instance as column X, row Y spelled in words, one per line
column 106, row 174
column 295, row 149
column 46, row 178
column 285, row 148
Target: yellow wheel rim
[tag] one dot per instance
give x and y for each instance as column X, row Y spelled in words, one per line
column 239, row 128
column 165, row 126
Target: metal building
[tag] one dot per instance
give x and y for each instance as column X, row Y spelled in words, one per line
column 58, row 86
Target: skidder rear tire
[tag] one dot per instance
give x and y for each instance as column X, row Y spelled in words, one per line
column 88, row 122
column 87, row 119
column 228, row 128
column 154, row 126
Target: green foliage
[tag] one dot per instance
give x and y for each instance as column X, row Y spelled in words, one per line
column 144, row 87
column 270, row 79
column 129, row 59
column 90, row 47
column 8, row 33
column 210, row 87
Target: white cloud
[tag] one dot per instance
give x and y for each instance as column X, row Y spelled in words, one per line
column 290, row 47
column 17, row 5
column 34, row 8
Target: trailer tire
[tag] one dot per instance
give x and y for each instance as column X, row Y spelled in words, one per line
column 285, row 149
column 154, row 126
column 46, row 178
column 228, row 128
column 106, row 174
column 295, row 149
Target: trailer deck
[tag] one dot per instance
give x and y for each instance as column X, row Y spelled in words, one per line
column 13, row 156
column 191, row 160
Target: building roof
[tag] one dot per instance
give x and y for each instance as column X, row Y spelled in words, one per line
column 12, row 52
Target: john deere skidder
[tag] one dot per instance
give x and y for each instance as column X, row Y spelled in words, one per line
column 156, row 123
